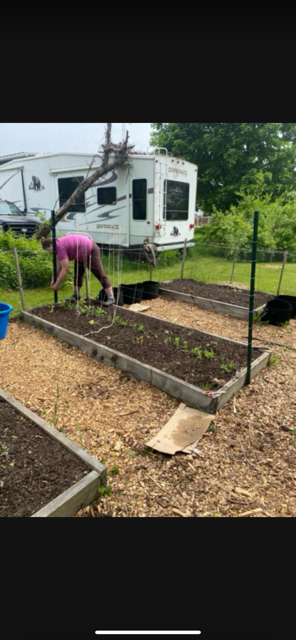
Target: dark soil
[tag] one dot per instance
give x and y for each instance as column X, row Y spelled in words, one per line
column 155, row 342
column 34, row 469
column 216, row 292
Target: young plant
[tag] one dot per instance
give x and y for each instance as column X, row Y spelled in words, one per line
column 197, row 351
column 120, row 321
column 176, row 342
column 105, row 491
column 82, row 310
column 207, row 386
column 209, row 354
column 115, row 470
column 273, row 360
column 4, row 450
column 99, row 312
column 228, row 366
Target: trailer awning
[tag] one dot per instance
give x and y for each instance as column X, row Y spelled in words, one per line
column 73, row 169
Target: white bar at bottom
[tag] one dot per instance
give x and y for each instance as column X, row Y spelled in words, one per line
column 148, row 633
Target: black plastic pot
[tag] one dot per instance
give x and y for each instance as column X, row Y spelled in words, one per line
column 118, row 295
column 277, row 312
column 132, row 292
column 291, row 300
column 151, row 290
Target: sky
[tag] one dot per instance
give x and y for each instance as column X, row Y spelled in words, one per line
column 71, row 137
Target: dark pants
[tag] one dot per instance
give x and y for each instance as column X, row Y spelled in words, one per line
column 92, row 262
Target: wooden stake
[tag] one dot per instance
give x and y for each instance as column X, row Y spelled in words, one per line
column 282, row 271
column 19, row 277
column 183, row 259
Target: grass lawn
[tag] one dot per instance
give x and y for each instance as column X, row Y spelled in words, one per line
column 198, row 266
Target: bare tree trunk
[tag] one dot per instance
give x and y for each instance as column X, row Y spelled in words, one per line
column 121, row 155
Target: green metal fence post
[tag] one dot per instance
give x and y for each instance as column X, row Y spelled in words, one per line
column 252, row 295
column 54, row 252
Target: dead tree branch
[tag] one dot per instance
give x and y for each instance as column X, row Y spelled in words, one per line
column 114, row 156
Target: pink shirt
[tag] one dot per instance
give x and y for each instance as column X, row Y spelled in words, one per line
column 74, row 247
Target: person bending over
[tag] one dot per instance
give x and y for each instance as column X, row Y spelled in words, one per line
column 86, row 254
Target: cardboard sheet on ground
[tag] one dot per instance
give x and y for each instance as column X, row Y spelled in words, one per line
column 139, row 307
column 182, row 432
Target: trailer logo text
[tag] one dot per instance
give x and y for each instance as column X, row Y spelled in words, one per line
column 173, row 170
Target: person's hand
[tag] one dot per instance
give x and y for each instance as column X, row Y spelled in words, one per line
column 54, row 287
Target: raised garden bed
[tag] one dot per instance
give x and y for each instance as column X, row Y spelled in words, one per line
column 220, row 299
column 198, row 368
column 42, row 473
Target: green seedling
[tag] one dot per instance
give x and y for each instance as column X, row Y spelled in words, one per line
column 228, row 367
column 273, row 360
column 115, row 470
column 105, row 491
column 209, row 354
column 197, row 351
column 4, row 450
column 147, row 452
column 99, row 312
column 206, row 386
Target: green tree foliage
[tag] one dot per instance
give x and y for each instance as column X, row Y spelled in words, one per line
column 234, row 228
column 230, row 155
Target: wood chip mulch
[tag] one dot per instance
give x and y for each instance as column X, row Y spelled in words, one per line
column 246, row 465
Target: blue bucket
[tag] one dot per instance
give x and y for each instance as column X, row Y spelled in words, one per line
column 5, row 310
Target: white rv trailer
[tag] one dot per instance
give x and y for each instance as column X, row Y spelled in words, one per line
column 152, row 201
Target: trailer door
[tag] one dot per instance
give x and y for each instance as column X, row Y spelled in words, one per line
column 141, row 202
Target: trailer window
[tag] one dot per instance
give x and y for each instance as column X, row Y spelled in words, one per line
column 139, row 199
column 67, row 186
column 107, row 195
column 175, row 200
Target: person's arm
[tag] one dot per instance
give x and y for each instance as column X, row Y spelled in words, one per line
column 63, row 268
